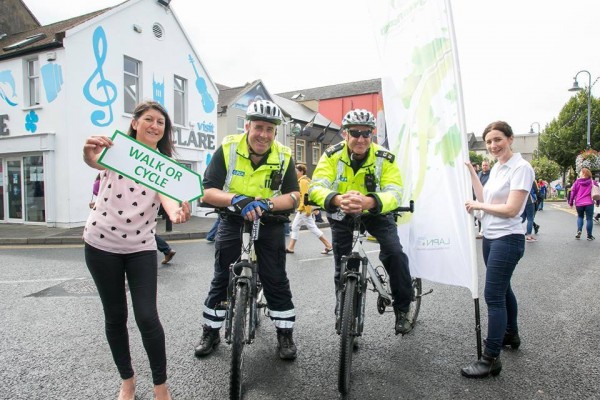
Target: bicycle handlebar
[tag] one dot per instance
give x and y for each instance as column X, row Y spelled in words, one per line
column 410, row 208
column 281, row 216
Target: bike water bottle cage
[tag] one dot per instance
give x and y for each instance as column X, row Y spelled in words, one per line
column 370, row 183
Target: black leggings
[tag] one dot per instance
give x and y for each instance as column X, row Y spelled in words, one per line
column 109, row 271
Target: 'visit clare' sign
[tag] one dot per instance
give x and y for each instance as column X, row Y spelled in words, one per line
column 142, row 164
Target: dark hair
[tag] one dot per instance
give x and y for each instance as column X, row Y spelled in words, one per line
column 165, row 144
column 301, row 168
column 498, row 126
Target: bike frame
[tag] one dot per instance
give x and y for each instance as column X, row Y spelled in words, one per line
column 244, row 272
column 358, row 266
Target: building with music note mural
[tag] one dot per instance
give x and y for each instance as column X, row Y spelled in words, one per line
column 65, row 81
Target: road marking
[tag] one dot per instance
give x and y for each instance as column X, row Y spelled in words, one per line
column 40, row 280
column 571, row 211
column 324, row 258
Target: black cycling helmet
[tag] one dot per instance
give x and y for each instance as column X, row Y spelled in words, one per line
column 358, row 116
column 264, row 110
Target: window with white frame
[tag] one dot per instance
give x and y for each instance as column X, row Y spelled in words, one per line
column 131, row 81
column 179, row 100
column 316, row 152
column 300, row 151
column 240, row 124
column 33, row 82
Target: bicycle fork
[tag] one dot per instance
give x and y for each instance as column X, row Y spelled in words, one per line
column 244, row 272
column 354, row 267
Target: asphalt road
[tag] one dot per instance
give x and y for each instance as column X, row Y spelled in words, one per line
column 53, row 344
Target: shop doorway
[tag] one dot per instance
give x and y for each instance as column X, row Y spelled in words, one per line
column 22, row 189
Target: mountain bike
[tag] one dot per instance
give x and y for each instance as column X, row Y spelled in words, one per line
column 244, row 299
column 357, row 275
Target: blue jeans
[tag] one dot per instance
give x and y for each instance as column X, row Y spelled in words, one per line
column 162, row 245
column 589, row 213
column 528, row 214
column 501, row 257
column 211, row 235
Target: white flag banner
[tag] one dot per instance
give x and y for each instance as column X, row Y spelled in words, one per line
column 425, row 128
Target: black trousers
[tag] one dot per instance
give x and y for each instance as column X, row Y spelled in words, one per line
column 270, row 251
column 395, row 262
column 109, row 271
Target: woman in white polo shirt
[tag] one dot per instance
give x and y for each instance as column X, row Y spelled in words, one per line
column 501, row 203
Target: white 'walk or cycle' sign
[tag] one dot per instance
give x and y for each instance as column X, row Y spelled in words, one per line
column 152, row 169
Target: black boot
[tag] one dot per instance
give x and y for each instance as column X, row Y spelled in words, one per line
column 483, row 367
column 402, row 324
column 285, row 344
column 210, row 340
column 511, row 339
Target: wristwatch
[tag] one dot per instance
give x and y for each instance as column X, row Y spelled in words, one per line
column 270, row 204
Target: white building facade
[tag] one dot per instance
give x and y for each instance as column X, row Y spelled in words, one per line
column 87, row 81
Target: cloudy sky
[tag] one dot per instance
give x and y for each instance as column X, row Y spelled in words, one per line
column 517, row 57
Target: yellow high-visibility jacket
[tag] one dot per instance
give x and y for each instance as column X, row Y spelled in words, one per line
column 334, row 175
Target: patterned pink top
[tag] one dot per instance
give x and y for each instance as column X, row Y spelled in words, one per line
column 124, row 217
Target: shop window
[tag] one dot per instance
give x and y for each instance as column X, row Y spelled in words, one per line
column 33, row 178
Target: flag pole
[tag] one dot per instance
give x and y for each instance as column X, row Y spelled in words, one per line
column 478, row 327
column 462, row 124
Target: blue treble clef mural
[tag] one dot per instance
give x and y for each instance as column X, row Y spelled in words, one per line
column 207, row 101
column 104, row 91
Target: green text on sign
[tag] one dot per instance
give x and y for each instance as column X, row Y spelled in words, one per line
column 139, row 162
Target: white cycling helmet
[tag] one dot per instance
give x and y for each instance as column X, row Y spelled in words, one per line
column 358, row 117
column 264, row 110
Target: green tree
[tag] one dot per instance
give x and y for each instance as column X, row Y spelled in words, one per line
column 545, row 169
column 566, row 136
column 475, row 158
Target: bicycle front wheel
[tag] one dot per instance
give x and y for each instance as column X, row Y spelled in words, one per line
column 238, row 336
column 415, row 303
column 347, row 334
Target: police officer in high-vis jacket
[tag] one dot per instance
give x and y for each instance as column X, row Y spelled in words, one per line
column 358, row 176
column 253, row 173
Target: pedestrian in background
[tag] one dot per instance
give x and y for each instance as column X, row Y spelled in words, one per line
column 529, row 213
column 161, row 244
column 304, row 215
column 543, row 188
column 483, row 175
column 120, row 242
column 581, row 196
column 501, row 203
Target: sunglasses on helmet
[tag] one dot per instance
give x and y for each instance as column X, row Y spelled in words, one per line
column 355, row 133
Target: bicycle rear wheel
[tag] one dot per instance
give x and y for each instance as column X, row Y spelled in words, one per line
column 415, row 303
column 238, row 339
column 347, row 334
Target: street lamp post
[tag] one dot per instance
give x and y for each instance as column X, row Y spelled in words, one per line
column 531, row 132
column 577, row 88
